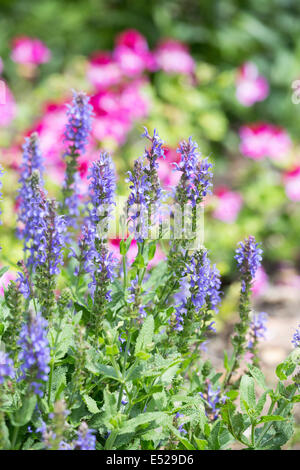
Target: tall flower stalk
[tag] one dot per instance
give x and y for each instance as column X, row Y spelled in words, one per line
column 248, row 257
column 95, row 257
column 76, row 138
column 32, row 161
column 34, row 353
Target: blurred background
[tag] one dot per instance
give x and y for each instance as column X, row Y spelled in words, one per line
column 225, row 72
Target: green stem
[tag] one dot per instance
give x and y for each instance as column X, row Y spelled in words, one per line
column 15, row 437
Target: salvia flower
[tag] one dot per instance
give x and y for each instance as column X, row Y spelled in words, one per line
column 79, row 121
column 138, row 200
column 32, row 161
column 296, row 338
column 102, row 189
column 76, row 135
column 86, row 439
column 103, row 271
column 7, row 370
column 213, row 399
column 195, row 182
column 258, row 328
column 180, row 427
column 248, row 257
column 200, row 288
column 34, row 353
column 204, row 281
column 35, row 224
column 134, row 297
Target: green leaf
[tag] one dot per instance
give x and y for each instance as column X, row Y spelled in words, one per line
column 151, row 251
column 261, row 403
column 201, row 443
column 247, row 392
column 24, row 414
column 139, row 262
column 107, row 371
column 258, row 376
column 280, row 372
column 123, row 247
column 144, row 339
column 3, row 270
column 144, row 418
column 91, row 404
column 269, row 418
column 112, row 350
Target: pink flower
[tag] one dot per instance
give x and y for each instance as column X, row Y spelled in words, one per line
column 250, row 87
column 116, row 110
column 30, row 51
column 8, row 107
column 260, row 282
column 229, row 204
column 51, row 133
column 166, row 172
column 291, row 181
column 168, row 176
column 111, row 127
column 173, row 57
column 5, row 280
column 103, row 71
column 132, row 100
column 261, row 140
column 132, row 53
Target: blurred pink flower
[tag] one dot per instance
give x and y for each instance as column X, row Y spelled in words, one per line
column 260, row 282
column 229, row 204
column 115, row 111
column 166, row 171
column 103, row 71
column 8, row 107
column 29, row 51
column 111, row 127
column 250, row 87
column 133, row 101
column 261, row 140
column 173, row 57
column 132, row 53
column 51, row 133
column 5, row 280
column 168, row 176
column 291, row 181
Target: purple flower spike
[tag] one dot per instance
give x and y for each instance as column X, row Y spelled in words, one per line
column 6, row 367
column 35, row 353
column 296, row 338
column 86, row 439
column 248, row 257
column 102, row 187
column 79, row 121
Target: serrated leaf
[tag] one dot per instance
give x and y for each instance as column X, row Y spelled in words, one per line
column 258, row 376
column 247, row 392
column 145, row 336
column 144, row 418
column 90, row 404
